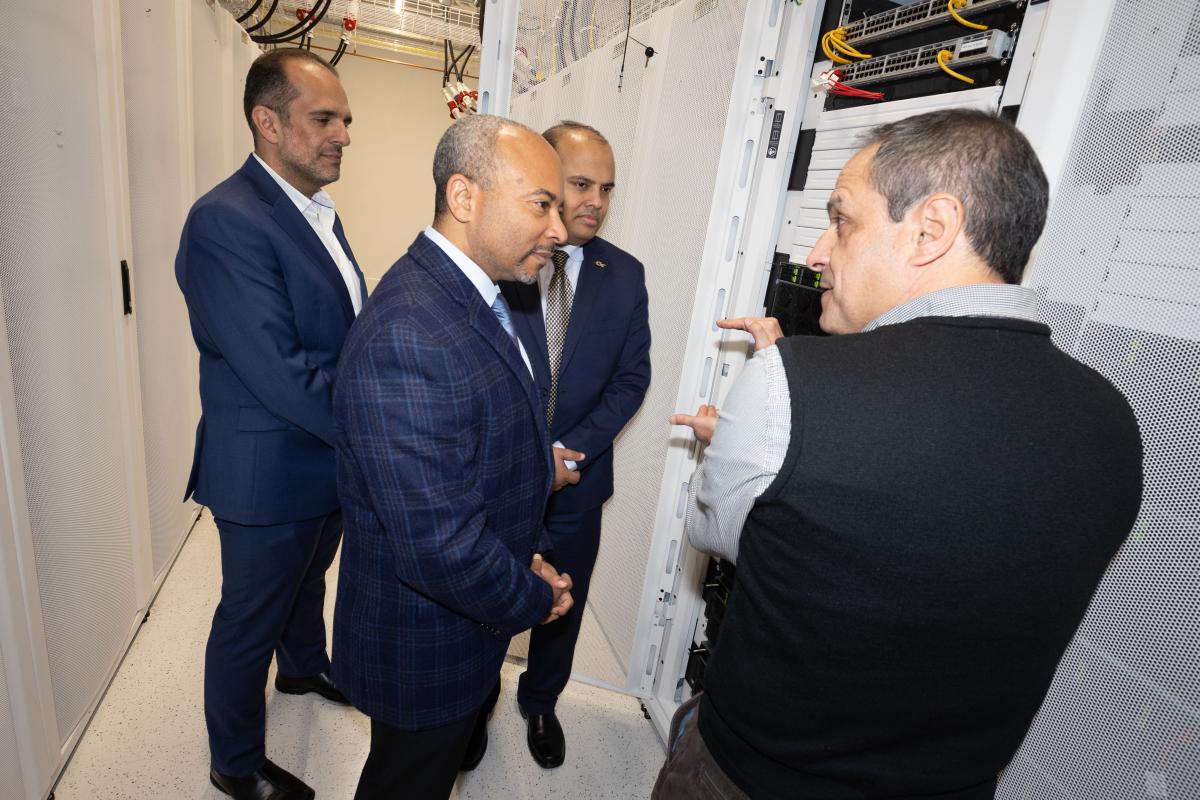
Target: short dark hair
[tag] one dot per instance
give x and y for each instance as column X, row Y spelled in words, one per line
column 267, row 82
column 556, row 132
column 979, row 158
column 468, row 147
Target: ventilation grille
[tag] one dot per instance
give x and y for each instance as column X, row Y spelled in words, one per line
column 1118, row 269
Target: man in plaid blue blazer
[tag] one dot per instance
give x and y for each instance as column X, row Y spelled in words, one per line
column 444, row 464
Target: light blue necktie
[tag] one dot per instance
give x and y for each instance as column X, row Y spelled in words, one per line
column 500, row 308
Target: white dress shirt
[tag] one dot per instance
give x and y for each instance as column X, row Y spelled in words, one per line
column 486, row 287
column 319, row 212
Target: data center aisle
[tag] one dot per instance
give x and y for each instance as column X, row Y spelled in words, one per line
column 147, row 740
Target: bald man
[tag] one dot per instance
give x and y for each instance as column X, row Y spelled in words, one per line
column 444, row 465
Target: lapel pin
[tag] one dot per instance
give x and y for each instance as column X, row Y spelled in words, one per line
column 600, row 263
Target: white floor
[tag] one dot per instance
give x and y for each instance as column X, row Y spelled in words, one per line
column 147, row 740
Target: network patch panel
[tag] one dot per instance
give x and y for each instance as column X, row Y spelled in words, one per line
column 910, row 18
column 976, row 48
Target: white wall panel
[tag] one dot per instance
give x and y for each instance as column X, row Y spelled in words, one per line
column 218, row 77
column 158, row 115
column 67, row 345
column 667, row 126
column 10, row 762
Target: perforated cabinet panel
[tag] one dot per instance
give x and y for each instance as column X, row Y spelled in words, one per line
column 216, row 95
column 1119, row 272
column 667, row 147
column 10, row 764
column 160, row 167
column 61, row 310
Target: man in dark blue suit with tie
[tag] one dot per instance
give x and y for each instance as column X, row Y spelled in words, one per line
column 585, row 325
column 444, row 465
column 271, row 288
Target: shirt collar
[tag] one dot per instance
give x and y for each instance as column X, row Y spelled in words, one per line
column 976, row 300
column 486, row 287
column 297, row 197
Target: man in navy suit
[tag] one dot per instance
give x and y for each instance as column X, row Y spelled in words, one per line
column 585, row 324
column 444, row 464
column 271, row 288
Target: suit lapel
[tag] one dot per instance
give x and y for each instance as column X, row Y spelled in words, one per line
column 288, row 217
column 587, row 290
column 340, row 233
column 525, row 301
column 483, row 321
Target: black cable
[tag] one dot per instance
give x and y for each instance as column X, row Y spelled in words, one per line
column 574, row 31
column 298, row 30
column 625, row 49
column 266, row 18
column 307, row 24
column 337, row 56
column 249, row 12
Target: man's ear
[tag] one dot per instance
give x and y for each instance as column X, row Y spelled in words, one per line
column 462, row 197
column 939, row 221
column 267, row 123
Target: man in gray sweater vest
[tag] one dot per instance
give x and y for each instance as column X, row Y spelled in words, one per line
column 920, row 510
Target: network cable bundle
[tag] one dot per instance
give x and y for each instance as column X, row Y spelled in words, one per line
column 916, row 49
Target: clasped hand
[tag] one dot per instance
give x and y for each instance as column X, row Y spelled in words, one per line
column 561, row 584
column 563, row 474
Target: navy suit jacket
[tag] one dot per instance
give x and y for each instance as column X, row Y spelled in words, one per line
column 443, row 470
column 269, row 311
column 605, row 369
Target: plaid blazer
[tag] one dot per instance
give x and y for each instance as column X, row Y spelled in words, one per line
column 444, row 468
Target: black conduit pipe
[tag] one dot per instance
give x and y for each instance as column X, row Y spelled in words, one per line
column 300, row 29
column 249, row 12
column 266, row 18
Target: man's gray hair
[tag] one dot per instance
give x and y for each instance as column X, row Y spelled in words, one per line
column 468, row 147
column 977, row 157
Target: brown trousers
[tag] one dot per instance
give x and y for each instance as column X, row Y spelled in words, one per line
column 690, row 772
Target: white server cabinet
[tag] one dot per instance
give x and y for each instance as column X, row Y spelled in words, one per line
column 98, row 379
column 1116, row 269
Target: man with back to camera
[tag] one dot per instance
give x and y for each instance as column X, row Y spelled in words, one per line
column 271, row 288
column 919, row 513
column 444, row 464
column 586, row 326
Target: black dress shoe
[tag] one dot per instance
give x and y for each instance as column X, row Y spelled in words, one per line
column 271, row 782
column 477, row 745
column 545, row 738
column 319, row 683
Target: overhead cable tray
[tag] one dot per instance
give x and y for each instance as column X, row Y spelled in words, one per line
column 977, row 48
column 911, row 18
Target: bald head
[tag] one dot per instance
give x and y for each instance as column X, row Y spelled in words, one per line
column 499, row 189
column 469, row 147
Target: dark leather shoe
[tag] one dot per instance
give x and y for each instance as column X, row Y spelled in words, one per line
column 320, row 683
column 545, row 738
column 271, row 782
column 477, row 745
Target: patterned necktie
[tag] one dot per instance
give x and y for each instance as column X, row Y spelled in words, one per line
column 500, row 309
column 558, row 314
